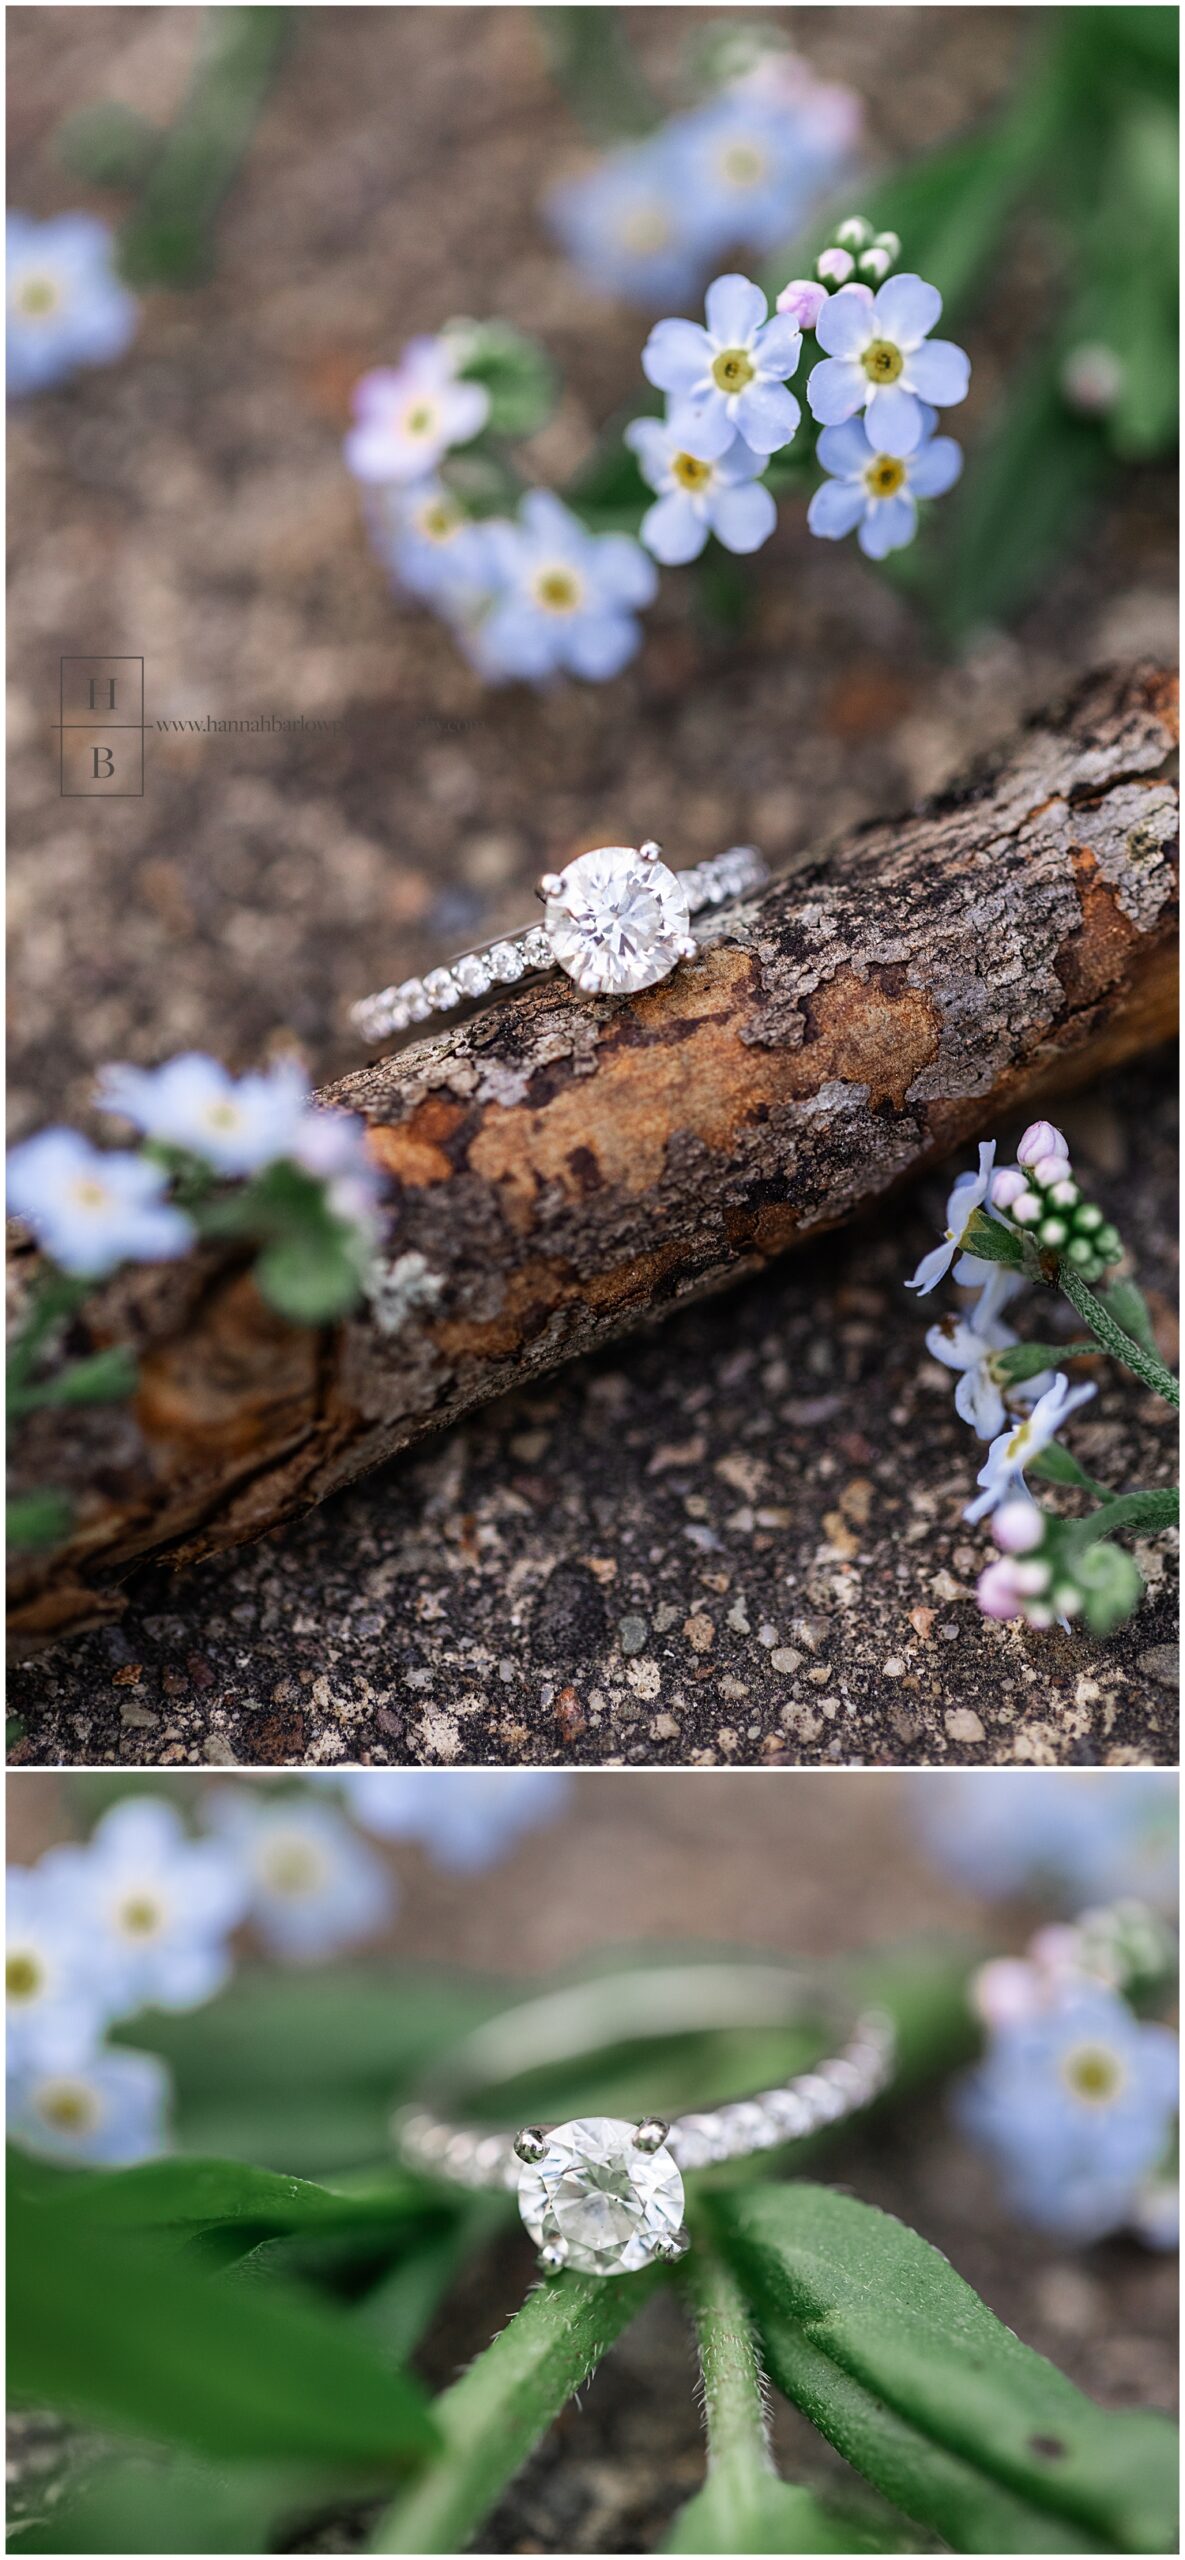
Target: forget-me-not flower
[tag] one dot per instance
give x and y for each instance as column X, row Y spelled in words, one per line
column 968, row 1344
column 632, row 227
column 104, row 2112
column 55, row 2004
column 435, row 550
column 66, row 304
column 968, row 1195
column 1075, row 1836
column 879, row 357
column 728, row 378
column 411, row 414
column 235, row 1125
column 1002, row 1474
column 92, row 1211
column 1075, row 2106
column 878, row 492
column 564, row 598
column 465, row 1818
column 313, row 1886
column 698, row 496
column 157, row 1907
column 331, row 1145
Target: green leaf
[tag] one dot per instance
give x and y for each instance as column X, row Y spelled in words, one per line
column 117, row 2332
column 1129, row 1306
column 515, row 370
column 777, row 2517
column 1111, row 1584
column 608, row 492
column 38, row 1519
column 1028, row 489
column 494, row 2416
column 1060, row 1467
column 592, row 63
column 168, row 239
column 310, row 1280
column 850, row 2302
column 1028, row 1359
column 991, row 1241
column 107, row 1377
column 1095, row 1311
column 138, row 2503
column 108, row 144
column 202, row 2195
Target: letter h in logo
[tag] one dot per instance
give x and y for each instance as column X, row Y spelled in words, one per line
column 102, row 728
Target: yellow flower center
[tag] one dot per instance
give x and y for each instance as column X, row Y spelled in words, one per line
column 742, row 165
column 558, row 590
column 292, row 1866
column 23, row 1977
column 689, row 471
column 140, row 1916
column 37, row 297
column 882, row 361
column 644, row 230
column 69, row 2105
column 438, row 520
column 1093, row 2073
column 223, row 1115
column 885, row 476
column 89, row 1192
column 421, row 420
column 731, row 370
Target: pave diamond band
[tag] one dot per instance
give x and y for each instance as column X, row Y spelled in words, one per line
column 603, row 2194
column 615, row 920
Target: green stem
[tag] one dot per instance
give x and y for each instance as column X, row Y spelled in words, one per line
column 1142, row 1363
column 55, row 1296
column 593, row 65
column 1157, row 1508
column 167, row 240
column 734, row 2385
column 495, row 2415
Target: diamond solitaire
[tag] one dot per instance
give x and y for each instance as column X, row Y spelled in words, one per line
column 601, row 2196
column 617, row 919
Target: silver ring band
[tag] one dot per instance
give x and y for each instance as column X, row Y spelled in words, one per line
column 604, row 2194
column 615, row 920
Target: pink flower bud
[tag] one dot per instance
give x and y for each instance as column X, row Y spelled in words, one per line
column 836, row 265
column 996, row 1590
column 1051, row 1168
column 802, row 301
column 1018, row 1526
column 1057, row 1949
column 1041, row 1139
column 1030, row 1576
column 1007, row 1186
column 1005, row 1992
column 1026, row 1209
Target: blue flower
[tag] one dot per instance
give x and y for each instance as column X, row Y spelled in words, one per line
column 880, row 358
column 435, row 550
column 105, row 2112
column 66, row 305
column 158, row 1908
column 967, row 1195
column 755, row 158
column 1075, row 2106
column 411, row 414
column 332, row 1146
column 632, row 226
column 191, row 1102
column 879, row 491
column 465, row 1818
column 1002, row 1474
column 563, row 598
column 729, row 378
column 313, row 1886
column 55, row 2003
column 699, row 495
column 1071, row 1836
column 91, row 1212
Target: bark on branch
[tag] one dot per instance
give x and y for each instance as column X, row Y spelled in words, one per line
column 564, row 1167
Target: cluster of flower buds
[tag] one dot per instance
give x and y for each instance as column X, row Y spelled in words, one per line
column 1045, row 1573
column 1039, row 1193
column 857, row 254
column 1125, row 1945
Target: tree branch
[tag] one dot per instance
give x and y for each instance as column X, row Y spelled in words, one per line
column 564, row 1167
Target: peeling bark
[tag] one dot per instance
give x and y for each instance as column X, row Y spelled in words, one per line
column 562, row 1167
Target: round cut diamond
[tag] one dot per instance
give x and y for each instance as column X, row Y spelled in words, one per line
column 617, row 921
column 596, row 2203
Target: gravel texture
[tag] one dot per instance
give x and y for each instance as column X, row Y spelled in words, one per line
column 738, row 1539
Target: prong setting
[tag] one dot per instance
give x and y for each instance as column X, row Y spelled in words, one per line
column 552, row 2257
column 550, row 885
column 650, row 851
column 650, row 2134
column 670, row 2251
column 531, row 2143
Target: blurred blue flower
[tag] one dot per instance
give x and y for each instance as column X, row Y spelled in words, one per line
column 466, row 1819
column 1075, row 2107
column 313, row 1886
column 878, row 492
column 411, row 414
column 632, row 226
column 728, row 378
column 697, row 497
column 435, row 550
column 105, row 2112
column 66, row 305
column 55, row 2001
column 880, row 357
column 1073, row 1837
column 754, row 158
column 235, row 1125
column 563, row 598
column 92, row 1211
column 157, row 1907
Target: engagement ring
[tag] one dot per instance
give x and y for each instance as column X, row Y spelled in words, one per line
column 616, row 920
column 604, row 2195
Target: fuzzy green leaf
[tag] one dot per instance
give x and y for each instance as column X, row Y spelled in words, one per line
column 106, row 1377
column 108, row 144
column 776, row 2517
column 849, row 2300
column 38, row 1519
column 1028, row 1359
column 188, row 2196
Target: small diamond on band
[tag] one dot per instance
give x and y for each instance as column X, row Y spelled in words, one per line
column 616, row 920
